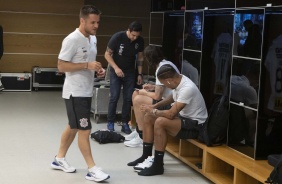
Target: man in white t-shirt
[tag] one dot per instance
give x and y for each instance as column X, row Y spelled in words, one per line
column 77, row 59
column 183, row 120
column 148, row 95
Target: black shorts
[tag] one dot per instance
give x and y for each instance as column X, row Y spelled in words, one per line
column 167, row 107
column 78, row 110
column 189, row 129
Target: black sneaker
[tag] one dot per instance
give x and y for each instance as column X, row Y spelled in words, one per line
column 152, row 171
column 125, row 128
column 137, row 161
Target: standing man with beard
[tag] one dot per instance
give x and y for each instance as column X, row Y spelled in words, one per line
column 77, row 59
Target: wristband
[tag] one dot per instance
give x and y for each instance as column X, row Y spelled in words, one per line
column 140, row 74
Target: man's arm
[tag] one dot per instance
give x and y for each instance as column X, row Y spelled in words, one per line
column 156, row 95
column 65, row 66
column 171, row 113
column 167, row 101
column 109, row 57
column 140, row 59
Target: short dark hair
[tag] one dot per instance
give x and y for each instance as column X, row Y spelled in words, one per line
column 135, row 26
column 88, row 9
column 166, row 71
column 154, row 55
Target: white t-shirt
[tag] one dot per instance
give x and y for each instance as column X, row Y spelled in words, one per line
column 187, row 92
column 77, row 48
column 273, row 63
column 167, row 92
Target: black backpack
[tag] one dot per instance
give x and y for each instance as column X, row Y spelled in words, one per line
column 214, row 130
column 275, row 176
column 106, row 136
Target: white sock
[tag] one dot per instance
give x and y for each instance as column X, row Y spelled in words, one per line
column 93, row 168
column 60, row 158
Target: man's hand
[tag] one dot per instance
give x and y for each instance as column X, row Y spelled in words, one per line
column 96, row 66
column 101, row 73
column 146, row 108
column 119, row 72
column 149, row 87
column 139, row 80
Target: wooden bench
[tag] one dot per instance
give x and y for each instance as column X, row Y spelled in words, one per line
column 221, row 164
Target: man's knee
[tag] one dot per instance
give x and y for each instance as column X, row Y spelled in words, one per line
column 138, row 100
column 134, row 94
column 161, row 122
column 84, row 133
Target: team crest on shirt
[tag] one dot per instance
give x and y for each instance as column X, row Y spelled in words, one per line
column 136, row 46
column 83, row 122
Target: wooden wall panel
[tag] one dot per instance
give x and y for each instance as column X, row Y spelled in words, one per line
column 24, row 62
column 42, row 6
column 123, row 8
column 33, row 27
column 33, row 43
column 34, row 30
column 38, row 23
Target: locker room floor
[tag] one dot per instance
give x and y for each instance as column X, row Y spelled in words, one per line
column 31, row 126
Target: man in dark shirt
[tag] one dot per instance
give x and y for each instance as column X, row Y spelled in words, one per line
column 124, row 48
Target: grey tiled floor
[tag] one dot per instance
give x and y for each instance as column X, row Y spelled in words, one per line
column 31, row 126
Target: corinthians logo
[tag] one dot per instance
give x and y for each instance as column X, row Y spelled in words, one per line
column 136, row 46
column 83, row 122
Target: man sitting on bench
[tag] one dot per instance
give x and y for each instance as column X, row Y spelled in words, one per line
column 183, row 120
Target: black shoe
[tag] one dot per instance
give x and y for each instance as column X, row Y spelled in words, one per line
column 137, row 161
column 153, row 170
column 125, row 128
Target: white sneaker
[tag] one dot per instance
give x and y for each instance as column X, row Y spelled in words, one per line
column 63, row 165
column 147, row 163
column 135, row 142
column 131, row 136
column 96, row 174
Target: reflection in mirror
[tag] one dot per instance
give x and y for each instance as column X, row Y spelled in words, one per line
column 193, row 30
column 273, row 64
column 156, row 28
column 242, row 129
column 245, row 82
column 221, row 54
column 248, row 26
column 191, row 65
column 172, row 35
column 271, row 88
column 216, row 53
